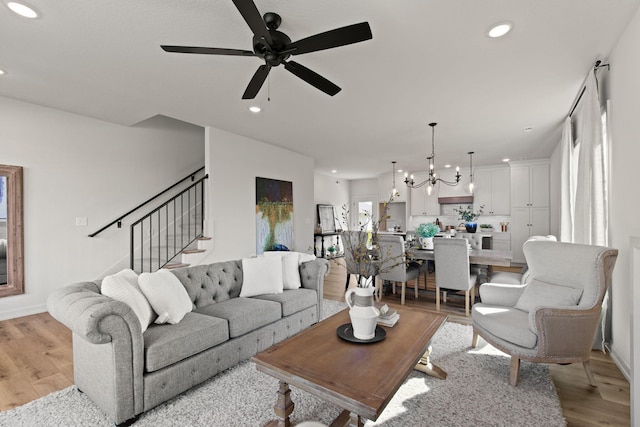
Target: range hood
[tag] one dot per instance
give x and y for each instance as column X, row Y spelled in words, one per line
column 458, row 200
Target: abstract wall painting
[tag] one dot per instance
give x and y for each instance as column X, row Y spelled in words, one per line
column 274, row 215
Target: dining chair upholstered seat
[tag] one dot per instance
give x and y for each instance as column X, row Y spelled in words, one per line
column 453, row 269
column 394, row 266
column 553, row 317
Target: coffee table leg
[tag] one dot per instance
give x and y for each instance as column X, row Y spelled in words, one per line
column 283, row 407
column 425, row 365
column 349, row 419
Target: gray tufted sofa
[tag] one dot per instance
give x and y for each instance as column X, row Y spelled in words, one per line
column 126, row 372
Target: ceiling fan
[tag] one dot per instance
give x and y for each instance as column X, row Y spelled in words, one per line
column 275, row 47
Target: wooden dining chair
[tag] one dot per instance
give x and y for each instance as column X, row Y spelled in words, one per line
column 453, row 269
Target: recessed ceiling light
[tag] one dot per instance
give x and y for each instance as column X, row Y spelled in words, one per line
column 447, row 166
column 22, row 9
column 2, row 71
column 400, row 170
column 499, row 29
column 506, row 159
column 255, row 109
column 334, row 171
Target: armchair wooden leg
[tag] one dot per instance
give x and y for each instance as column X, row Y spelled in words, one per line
column 437, row 298
column 404, row 289
column 514, row 371
column 587, row 370
column 474, row 341
column 415, row 289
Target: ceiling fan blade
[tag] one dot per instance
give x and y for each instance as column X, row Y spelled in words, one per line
column 256, row 82
column 207, row 50
column 249, row 12
column 334, row 38
column 311, row 77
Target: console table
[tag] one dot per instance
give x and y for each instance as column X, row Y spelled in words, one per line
column 322, row 236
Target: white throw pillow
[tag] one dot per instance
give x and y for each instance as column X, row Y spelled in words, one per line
column 166, row 294
column 123, row 286
column 262, row 275
column 290, row 272
column 304, row 257
column 541, row 294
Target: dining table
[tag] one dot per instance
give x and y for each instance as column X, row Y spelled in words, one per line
column 485, row 258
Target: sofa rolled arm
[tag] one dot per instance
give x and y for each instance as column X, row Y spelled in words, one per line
column 81, row 307
column 312, row 277
column 565, row 332
column 500, row 294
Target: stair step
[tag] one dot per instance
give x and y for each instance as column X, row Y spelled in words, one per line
column 193, row 251
column 203, row 238
column 175, row 265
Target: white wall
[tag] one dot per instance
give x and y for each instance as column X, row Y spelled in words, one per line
column 233, row 163
column 624, row 87
column 329, row 190
column 75, row 166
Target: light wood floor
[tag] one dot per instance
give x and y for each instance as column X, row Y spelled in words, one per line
column 36, row 359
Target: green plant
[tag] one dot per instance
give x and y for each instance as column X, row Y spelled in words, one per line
column 427, row 230
column 467, row 214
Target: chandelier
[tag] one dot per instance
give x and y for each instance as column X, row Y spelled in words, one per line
column 394, row 189
column 432, row 180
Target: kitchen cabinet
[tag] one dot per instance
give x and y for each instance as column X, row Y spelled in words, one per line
column 493, row 190
column 421, row 202
column 385, row 185
column 529, row 204
column 501, row 241
column 530, row 184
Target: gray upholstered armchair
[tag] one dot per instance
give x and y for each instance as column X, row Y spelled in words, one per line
column 553, row 318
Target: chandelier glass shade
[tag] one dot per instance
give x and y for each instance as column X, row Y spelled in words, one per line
column 432, row 179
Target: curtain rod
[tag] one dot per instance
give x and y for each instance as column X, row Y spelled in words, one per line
column 596, row 66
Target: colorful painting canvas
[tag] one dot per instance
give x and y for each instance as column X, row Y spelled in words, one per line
column 274, row 215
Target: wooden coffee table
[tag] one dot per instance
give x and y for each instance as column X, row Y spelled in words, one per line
column 360, row 378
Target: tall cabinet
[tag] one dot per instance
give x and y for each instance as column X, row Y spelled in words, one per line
column 529, row 203
column 493, row 190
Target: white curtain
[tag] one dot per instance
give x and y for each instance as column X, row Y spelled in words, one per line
column 584, row 182
column 566, row 183
column 590, row 219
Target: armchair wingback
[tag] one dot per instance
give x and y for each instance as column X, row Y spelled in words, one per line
column 553, row 318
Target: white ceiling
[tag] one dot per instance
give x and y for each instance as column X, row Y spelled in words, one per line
column 428, row 61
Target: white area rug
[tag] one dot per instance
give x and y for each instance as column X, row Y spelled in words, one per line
column 475, row 393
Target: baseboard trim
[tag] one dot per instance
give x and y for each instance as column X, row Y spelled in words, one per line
column 24, row 311
column 620, row 363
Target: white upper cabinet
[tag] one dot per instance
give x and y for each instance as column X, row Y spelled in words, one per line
column 385, row 185
column 421, row 202
column 530, row 184
column 493, row 190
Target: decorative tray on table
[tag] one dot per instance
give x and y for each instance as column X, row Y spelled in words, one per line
column 346, row 333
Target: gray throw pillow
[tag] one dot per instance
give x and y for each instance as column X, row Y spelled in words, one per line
column 543, row 294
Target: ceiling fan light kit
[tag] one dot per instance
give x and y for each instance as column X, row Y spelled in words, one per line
column 275, row 48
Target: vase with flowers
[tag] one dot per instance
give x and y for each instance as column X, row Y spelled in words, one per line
column 425, row 233
column 469, row 217
column 365, row 260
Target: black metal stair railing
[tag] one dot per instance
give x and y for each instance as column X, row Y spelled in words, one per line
column 161, row 235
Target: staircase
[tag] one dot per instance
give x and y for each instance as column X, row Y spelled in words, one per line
column 171, row 234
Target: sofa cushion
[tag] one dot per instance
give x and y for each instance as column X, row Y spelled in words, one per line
column 244, row 314
column 166, row 295
column 506, row 323
column 167, row 344
column 294, row 300
column 262, row 275
column 542, row 294
column 290, row 270
column 123, row 286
